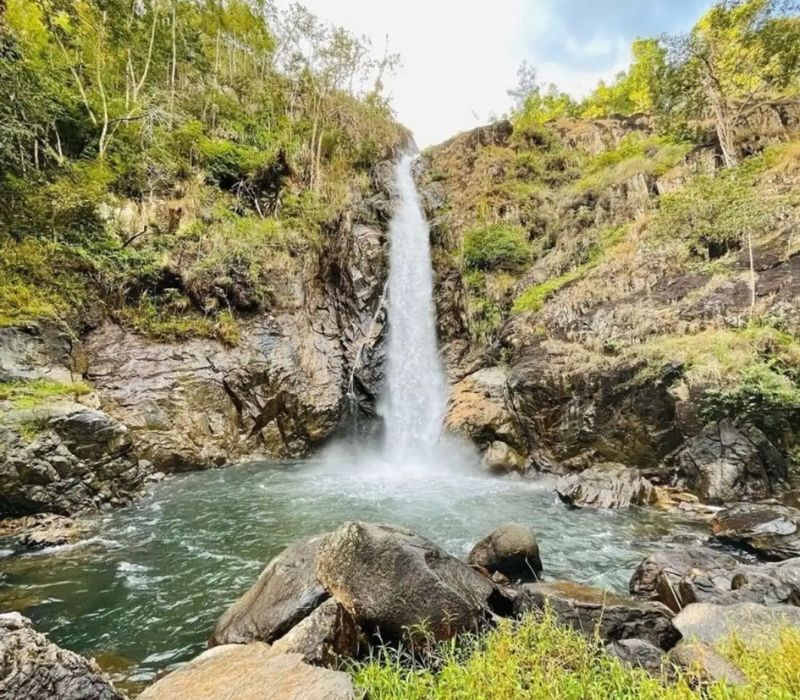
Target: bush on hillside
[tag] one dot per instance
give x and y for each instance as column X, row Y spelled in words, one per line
column 496, row 247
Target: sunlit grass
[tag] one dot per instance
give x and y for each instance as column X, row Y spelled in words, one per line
column 537, row 659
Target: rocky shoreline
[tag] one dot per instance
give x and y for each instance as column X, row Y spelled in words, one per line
column 340, row 596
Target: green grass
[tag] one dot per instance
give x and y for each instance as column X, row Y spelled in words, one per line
column 537, row 659
column 30, row 394
column 635, row 154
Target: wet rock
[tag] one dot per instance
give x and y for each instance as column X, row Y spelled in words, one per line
column 325, row 635
column 727, row 462
column 638, row 653
column 76, row 459
column 700, row 575
column 478, row 410
column 755, row 625
column 590, row 610
column 394, row 580
column 32, row 668
column 286, row 592
column 250, row 672
column 499, row 458
column 511, row 550
column 607, row 485
column 41, row 531
column 705, row 663
column 770, row 531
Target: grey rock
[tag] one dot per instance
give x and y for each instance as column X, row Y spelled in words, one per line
column 704, row 662
column 638, row 653
column 727, row 462
column 512, row 550
column 770, row 531
column 327, row 634
column 606, row 485
column 32, row 668
column 286, row 592
column 394, row 580
column 755, row 625
column 77, row 460
column 592, row 610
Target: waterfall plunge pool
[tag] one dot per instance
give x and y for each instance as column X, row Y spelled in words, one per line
column 143, row 592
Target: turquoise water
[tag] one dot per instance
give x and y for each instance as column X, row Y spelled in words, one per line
column 144, row 591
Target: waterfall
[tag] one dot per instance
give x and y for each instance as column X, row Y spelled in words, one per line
column 416, row 385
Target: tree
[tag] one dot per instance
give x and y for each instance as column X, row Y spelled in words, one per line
column 741, row 54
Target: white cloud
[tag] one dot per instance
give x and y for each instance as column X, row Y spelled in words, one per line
column 460, row 56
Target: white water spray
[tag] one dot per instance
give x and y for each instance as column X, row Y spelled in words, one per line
column 416, row 385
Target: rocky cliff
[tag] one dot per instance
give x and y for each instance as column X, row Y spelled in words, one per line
column 608, row 293
column 88, row 417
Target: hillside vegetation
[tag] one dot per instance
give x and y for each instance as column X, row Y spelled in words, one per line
column 656, row 223
column 174, row 164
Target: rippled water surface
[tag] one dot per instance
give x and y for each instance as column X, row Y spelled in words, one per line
column 144, row 592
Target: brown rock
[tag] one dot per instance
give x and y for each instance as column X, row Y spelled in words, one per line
column 510, row 550
column 250, row 672
column 607, row 485
column 705, row 663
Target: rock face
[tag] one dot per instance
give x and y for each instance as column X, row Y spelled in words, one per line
column 512, row 550
column 76, row 460
column 32, row 668
column 679, row 578
column 606, row 486
column 753, row 624
column 250, row 672
column 591, row 610
column 286, row 592
column 326, row 634
column 770, row 531
column 394, row 580
column 727, row 462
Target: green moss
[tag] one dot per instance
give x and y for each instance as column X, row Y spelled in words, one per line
column 536, row 658
column 495, row 247
column 30, row 394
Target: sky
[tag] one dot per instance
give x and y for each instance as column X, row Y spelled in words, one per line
column 459, row 57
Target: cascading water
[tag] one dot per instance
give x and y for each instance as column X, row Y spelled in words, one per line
column 416, row 386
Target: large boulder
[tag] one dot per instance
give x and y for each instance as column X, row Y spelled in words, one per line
column 512, row 550
column 328, row 633
column 32, row 668
column 679, row 578
column 726, row 462
column 606, row 485
column 393, row 580
column 250, row 672
column 770, row 531
column 286, row 592
column 592, row 610
column 755, row 625
column 637, row 653
column 66, row 458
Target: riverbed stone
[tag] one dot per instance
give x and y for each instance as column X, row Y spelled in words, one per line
column 512, row 550
column 33, row 532
column 286, row 592
column 637, row 653
column 250, row 672
column 607, row 485
column 328, row 633
column 395, row 581
column 754, row 624
column 589, row 610
column 705, row 663
column 33, row 668
column 770, row 531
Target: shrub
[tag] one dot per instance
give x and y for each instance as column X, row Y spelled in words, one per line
column 496, row 247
